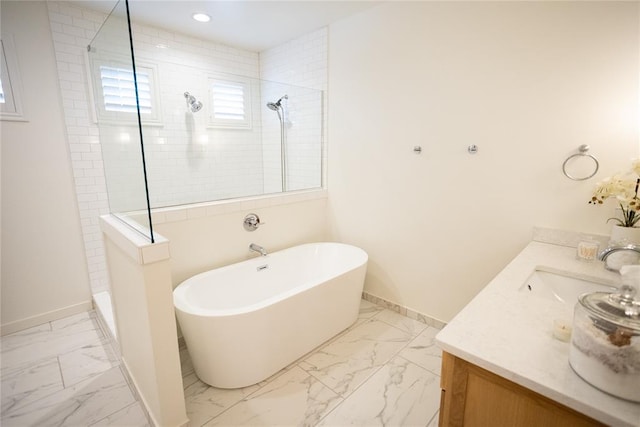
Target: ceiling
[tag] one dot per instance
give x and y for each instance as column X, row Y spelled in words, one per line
column 250, row 25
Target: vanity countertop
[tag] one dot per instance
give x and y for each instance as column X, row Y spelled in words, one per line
column 510, row 333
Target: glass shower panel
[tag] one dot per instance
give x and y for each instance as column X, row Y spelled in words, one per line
column 111, row 70
column 217, row 139
column 292, row 137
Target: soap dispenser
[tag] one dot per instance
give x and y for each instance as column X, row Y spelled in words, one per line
column 605, row 344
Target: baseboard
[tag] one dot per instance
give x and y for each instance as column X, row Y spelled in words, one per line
column 405, row 311
column 140, row 398
column 29, row 322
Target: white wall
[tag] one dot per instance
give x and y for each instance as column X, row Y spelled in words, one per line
column 44, row 273
column 528, row 82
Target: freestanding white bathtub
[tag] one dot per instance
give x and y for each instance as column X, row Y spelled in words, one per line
column 246, row 321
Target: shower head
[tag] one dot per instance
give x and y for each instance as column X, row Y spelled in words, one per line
column 193, row 104
column 278, row 104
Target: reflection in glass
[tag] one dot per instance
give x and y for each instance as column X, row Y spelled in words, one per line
column 115, row 102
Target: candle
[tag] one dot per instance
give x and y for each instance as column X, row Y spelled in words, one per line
column 562, row 330
column 587, row 250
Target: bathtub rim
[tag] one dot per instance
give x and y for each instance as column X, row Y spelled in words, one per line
column 179, row 293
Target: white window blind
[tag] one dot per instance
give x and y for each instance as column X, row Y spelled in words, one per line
column 230, row 103
column 118, row 90
column 2, row 101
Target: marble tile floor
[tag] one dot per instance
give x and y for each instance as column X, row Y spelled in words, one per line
column 382, row 371
column 64, row 373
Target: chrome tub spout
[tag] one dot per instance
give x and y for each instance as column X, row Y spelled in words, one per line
column 257, row 248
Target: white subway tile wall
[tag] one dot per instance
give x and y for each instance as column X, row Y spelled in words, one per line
column 187, row 160
column 72, row 29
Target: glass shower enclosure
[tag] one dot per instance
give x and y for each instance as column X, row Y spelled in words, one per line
column 117, row 110
column 180, row 125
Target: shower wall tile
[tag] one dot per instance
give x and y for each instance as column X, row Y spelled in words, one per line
column 72, row 29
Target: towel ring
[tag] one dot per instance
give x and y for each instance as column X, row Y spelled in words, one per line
column 583, row 151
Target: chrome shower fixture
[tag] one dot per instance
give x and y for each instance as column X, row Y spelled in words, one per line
column 275, row 106
column 193, row 104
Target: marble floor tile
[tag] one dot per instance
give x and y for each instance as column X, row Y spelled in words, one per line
column 27, row 383
column 435, row 420
column 80, row 405
column 21, row 339
column 345, row 363
column 384, row 357
column 84, row 321
column 131, row 416
column 186, row 365
column 424, row 352
column 399, row 394
column 86, row 362
column 410, row 326
column 204, row 402
column 293, row 398
column 368, row 310
column 54, row 339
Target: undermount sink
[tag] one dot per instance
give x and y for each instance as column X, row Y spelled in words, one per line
column 561, row 288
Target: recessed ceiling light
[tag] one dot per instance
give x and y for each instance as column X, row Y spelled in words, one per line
column 201, row 17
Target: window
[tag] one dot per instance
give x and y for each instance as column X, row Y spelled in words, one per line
column 2, row 101
column 230, row 103
column 114, row 91
column 10, row 101
column 118, row 90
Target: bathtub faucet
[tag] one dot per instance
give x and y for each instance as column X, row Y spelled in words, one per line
column 257, row 248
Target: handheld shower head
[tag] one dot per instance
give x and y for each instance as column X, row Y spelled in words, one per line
column 278, row 104
column 193, row 104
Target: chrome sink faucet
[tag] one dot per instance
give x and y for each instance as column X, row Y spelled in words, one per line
column 617, row 248
column 257, row 248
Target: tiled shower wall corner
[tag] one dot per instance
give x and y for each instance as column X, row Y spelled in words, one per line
column 299, row 62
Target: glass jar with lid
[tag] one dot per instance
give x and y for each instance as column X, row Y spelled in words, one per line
column 605, row 344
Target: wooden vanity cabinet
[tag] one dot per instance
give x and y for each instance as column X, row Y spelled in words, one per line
column 472, row 396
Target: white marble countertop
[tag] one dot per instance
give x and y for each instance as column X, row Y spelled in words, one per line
column 510, row 333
